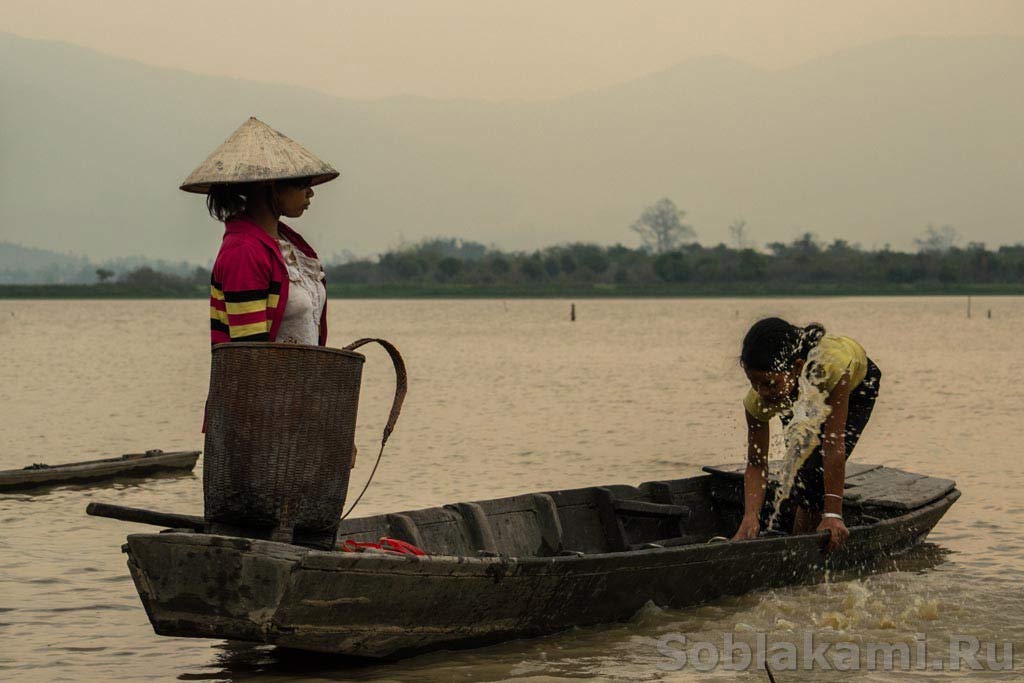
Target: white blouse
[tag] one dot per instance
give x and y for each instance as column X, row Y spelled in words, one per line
column 307, row 297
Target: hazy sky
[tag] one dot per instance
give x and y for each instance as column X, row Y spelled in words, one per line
column 483, row 49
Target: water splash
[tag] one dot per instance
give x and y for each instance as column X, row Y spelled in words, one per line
column 803, row 433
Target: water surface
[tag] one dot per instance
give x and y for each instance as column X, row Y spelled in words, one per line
column 509, row 397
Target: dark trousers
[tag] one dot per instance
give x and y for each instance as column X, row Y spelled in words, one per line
column 809, row 487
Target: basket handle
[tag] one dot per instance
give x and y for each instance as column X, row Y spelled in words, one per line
column 401, row 380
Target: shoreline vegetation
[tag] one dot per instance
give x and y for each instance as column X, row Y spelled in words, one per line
column 455, row 268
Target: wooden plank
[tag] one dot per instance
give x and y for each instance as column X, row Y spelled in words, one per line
column 550, row 526
column 479, row 526
column 614, row 531
column 866, row 484
column 404, row 529
column 893, row 488
column 659, row 491
column 735, row 471
column 643, row 508
column 143, row 516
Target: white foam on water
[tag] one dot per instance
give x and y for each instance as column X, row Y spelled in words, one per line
column 803, row 433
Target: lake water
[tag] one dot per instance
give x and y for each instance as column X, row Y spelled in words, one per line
column 508, row 397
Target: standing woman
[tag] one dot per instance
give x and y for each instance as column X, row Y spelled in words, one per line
column 268, row 284
column 773, row 357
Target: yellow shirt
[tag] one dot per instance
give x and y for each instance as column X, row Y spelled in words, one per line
column 839, row 355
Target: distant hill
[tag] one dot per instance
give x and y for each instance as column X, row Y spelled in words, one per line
column 870, row 144
column 28, row 265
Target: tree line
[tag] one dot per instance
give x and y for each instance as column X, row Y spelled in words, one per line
column 805, row 260
column 670, row 255
column 669, row 258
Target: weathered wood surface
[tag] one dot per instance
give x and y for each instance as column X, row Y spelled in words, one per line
column 130, row 465
column 736, row 470
column 867, row 485
column 143, row 516
column 564, row 558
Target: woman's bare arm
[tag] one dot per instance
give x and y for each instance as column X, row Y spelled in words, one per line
column 833, row 453
column 833, row 445
column 755, row 477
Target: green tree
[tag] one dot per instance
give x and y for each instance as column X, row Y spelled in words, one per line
column 500, row 266
column 552, row 266
column 591, row 257
column 533, row 268
column 672, row 267
column 407, row 265
column 449, row 267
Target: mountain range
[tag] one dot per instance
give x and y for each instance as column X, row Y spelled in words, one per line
column 870, row 144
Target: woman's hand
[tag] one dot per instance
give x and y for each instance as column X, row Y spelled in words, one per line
column 837, row 530
column 750, row 527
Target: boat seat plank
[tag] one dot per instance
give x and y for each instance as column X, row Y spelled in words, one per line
column 404, row 529
column 892, row 488
column 639, row 507
column 480, row 532
column 548, row 523
column 867, row 484
column 659, row 491
column 736, row 471
column 611, row 523
column 614, row 514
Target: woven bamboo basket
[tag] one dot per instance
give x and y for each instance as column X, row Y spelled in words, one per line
column 280, row 433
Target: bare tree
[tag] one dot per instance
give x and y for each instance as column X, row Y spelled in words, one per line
column 661, row 227
column 102, row 274
column 938, row 240
column 740, row 234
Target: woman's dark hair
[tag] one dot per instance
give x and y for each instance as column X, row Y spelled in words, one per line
column 225, row 201
column 773, row 344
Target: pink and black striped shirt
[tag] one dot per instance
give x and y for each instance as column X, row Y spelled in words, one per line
column 249, row 286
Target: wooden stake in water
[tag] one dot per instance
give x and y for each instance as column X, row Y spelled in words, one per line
column 968, row 308
column 572, row 313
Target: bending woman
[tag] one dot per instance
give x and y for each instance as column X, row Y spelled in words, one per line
column 773, row 358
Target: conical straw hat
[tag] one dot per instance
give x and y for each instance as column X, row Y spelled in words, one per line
column 255, row 153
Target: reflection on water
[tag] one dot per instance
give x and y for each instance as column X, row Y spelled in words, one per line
column 507, row 398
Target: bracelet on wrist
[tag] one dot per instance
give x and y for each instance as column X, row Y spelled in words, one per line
column 831, row 515
column 833, row 495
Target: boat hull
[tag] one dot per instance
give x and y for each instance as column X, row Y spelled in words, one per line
column 132, row 465
column 372, row 605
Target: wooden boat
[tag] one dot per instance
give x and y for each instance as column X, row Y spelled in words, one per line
column 128, row 465
column 512, row 567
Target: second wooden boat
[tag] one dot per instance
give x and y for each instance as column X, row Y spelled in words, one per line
column 128, row 465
